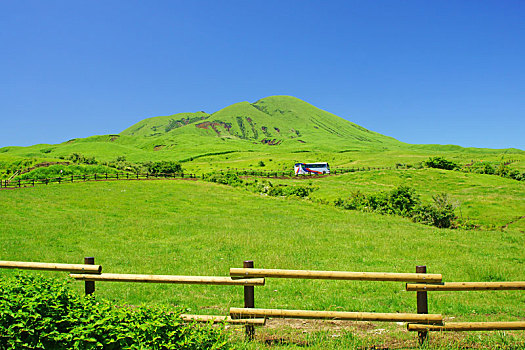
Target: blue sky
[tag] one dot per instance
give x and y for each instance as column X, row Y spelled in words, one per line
column 447, row 72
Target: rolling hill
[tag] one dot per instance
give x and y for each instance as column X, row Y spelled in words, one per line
column 283, row 121
column 281, row 128
column 269, row 121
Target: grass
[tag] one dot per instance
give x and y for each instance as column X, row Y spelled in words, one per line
column 197, row 228
column 484, row 200
column 306, row 133
column 182, row 227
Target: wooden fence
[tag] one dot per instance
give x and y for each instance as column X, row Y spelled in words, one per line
column 291, row 173
column 123, row 176
column 21, row 183
column 249, row 277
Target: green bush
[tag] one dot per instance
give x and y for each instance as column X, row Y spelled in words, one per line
column 502, row 170
column 400, row 201
column 41, row 313
column 439, row 213
column 486, row 168
column 262, row 187
column 60, row 170
column 163, row 167
column 226, row 179
column 403, row 201
column 78, row 158
column 440, row 163
column 284, row 190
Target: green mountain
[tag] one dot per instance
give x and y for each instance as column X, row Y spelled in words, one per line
column 270, row 121
column 283, row 128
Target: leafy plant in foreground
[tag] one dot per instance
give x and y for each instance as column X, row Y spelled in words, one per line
column 41, row 313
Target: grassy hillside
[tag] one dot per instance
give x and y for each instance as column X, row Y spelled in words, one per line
column 180, row 227
column 269, row 121
column 488, row 201
column 160, row 125
column 277, row 127
column 278, row 130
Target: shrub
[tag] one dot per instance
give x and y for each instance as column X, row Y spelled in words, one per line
column 486, row 168
column 297, row 191
column 226, row 179
column 40, row 313
column 440, row 163
column 403, row 201
column 163, row 167
column 440, row 213
column 400, row 201
column 60, row 170
column 275, row 191
column 81, row 159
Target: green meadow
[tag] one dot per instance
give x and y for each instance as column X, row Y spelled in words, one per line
column 181, row 227
column 486, row 201
column 199, row 228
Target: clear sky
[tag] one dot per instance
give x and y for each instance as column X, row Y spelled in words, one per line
column 447, row 72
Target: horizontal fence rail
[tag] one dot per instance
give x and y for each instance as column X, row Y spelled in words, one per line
column 249, row 277
column 211, row 280
column 82, row 268
column 468, row 326
column 336, row 275
column 466, row 286
column 227, row 319
column 335, row 315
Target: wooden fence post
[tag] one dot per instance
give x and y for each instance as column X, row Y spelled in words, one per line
column 422, row 306
column 89, row 286
column 249, row 300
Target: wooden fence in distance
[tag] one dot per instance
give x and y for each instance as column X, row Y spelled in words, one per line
column 5, row 184
column 24, row 183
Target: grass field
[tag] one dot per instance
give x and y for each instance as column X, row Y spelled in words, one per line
column 198, row 228
column 485, row 200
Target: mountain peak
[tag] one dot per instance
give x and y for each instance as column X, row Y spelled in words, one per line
column 272, row 120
